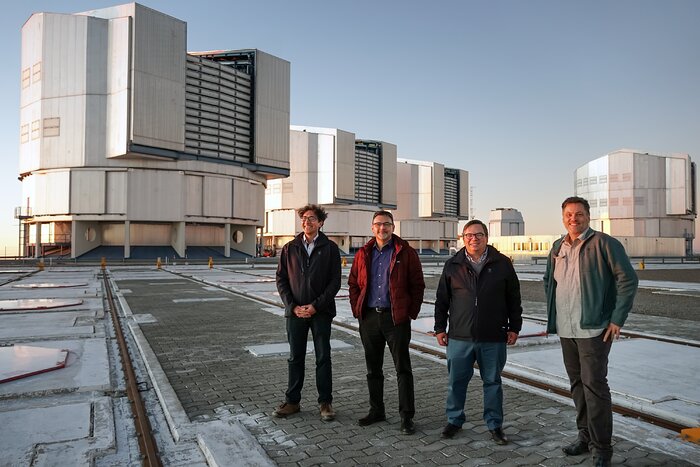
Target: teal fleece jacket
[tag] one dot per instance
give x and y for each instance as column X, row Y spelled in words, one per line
column 608, row 283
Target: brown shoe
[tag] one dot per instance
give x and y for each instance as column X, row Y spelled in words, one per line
column 286, row 409
column 327, row 412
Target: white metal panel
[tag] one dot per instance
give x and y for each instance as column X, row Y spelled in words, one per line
column 87, row 191
column 622, row 227
column 301, row 186
column 438, row 188
column 194, row 195
column 115, row 192
column 273, row 195
column 325, row 178
column 29, row 149
column 217, row 197
column 64, row 55
column 388, row 174
column 653, row 246
column 271, row 110
column 344, row 165
column 155, row 195
column 68, row 148
column 425, row 191
column 248, row 201
column 406, row 191
column 450, row 230
column 117, row 105
column 337, row 222
column 677, row 188
column 31, row 55
column 283, row 222
column 52, row 193
column 158, row 100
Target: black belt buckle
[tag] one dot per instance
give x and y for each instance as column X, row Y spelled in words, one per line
column 380, row 309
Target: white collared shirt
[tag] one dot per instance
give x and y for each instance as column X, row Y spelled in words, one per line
column 309, row 245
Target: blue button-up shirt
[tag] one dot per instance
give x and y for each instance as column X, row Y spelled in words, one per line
column 378, row 293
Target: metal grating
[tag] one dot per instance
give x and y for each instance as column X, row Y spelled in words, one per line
column 218, row 111
column 368, row 172
column 451, row 192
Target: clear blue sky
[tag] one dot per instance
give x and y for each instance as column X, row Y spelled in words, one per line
column 519, row 93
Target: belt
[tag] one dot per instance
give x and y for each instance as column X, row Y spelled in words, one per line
column 379, row 309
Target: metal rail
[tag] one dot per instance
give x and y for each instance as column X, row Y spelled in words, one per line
column 147, row 444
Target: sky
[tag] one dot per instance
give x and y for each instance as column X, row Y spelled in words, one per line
column 518, row 93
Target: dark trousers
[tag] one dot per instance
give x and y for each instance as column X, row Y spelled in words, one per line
column 297, row 335
column 377, row 330
column 586, row 362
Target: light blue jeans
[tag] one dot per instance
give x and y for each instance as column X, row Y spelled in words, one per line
column 491, row 357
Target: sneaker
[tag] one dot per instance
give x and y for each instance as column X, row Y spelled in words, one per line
column 286, row 409
column 327, row 412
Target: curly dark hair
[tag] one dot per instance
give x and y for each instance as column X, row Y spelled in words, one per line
column 319, row 212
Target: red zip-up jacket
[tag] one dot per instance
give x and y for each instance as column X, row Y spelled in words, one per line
column 406, row 283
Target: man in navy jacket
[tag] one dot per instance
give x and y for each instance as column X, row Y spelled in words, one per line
column 479, row 293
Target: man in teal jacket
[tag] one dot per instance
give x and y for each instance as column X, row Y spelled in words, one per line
column 590, row 286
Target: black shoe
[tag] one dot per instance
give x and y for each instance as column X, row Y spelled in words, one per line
column 407, row 426
column 602, row 462
column 498, row 436
column 450, row 430
column 371, row 418
column 576, row 448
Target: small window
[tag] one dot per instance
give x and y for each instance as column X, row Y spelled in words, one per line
column 24, row 133
column 25, row 78
column 36, row 72
column 52, row 126
column 35, row 129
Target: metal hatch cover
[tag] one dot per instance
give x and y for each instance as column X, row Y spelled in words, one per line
column 38, row 303
column 21, row 361
column 49, row 285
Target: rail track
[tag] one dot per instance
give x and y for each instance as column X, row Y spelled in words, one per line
column 146, row 440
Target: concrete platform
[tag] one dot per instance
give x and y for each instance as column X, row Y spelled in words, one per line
column 87, row 369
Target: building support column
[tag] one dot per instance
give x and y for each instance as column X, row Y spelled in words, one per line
column 37, row 241
column 178, row 238
column 227, row 240
column 127, row 239
column 420, row 245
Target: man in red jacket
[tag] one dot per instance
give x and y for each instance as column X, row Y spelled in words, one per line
column 386, row 292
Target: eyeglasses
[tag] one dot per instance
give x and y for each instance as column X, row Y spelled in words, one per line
column 478, row 236
column 309, row 219
column 382, row 224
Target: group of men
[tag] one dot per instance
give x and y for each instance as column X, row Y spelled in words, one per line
column 589, row 283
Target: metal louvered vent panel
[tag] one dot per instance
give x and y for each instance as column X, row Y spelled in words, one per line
column 218, row 115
